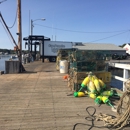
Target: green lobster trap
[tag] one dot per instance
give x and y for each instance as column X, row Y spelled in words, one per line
column 76, row 78
column 62, row 54
column 84, row 61
column 89, row 55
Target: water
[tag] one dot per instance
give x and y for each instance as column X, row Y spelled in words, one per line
column 116, row 84
column 4, row 58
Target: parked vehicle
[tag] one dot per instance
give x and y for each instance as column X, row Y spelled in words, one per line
column 47, row 48
column 119, row 57
column 50, row 48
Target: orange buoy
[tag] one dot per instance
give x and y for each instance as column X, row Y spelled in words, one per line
column 65, row 77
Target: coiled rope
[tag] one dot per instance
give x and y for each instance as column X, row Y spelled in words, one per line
column 123, row 111
column 112, row 122
column 90, row 118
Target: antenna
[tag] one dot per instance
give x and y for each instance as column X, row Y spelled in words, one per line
column 29, row 23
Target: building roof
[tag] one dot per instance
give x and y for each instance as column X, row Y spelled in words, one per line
column 99, row 46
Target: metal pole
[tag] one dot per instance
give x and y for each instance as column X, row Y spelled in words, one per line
column 31, row 27
column 29, row 30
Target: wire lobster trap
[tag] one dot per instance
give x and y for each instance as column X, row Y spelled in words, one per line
column 90, row 55
column 62, row 54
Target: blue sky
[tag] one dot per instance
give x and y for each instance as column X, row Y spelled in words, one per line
column 96, row 21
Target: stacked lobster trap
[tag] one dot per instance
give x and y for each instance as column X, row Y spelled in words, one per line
column 62, row 54
column 84, row 61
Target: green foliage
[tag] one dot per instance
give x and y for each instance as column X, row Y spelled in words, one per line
column 9, row 51
column 122, row 45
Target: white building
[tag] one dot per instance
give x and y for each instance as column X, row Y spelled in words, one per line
column 127, row 48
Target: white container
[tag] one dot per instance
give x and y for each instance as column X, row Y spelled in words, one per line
column 64, row 66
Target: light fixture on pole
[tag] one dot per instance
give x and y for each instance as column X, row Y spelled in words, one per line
column 43, row 19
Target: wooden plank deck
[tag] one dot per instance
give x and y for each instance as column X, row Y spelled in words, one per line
column 37, row 100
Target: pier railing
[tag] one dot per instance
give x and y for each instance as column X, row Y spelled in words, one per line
column 126, row 71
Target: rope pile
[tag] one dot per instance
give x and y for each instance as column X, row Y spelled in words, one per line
column 123, row 111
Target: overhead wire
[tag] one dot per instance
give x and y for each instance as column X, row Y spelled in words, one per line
column 10, row 27
column 128, row 37
column 6, row 32
column 121, row 32
column 14, row 20
column 79, row 31
column 108, row 37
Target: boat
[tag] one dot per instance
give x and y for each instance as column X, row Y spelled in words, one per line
column 14, row 56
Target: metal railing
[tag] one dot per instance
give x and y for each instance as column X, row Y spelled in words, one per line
column 126, row 72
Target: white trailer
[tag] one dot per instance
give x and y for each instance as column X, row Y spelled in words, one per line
column 49, row 49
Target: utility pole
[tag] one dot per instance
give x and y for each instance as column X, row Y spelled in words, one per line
column 19, row 33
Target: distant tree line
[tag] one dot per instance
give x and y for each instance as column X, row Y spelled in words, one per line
column 9, row 51
column 122, row 45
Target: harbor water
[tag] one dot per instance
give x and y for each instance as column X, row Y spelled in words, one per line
column 4, row 58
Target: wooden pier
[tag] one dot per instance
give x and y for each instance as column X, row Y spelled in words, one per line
column 39, row 99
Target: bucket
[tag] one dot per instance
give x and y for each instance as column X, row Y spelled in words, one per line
column 64, row 66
